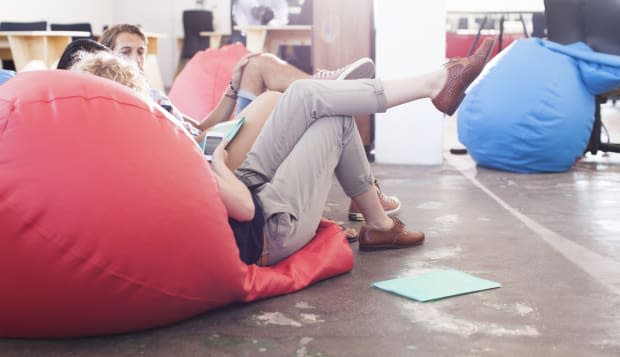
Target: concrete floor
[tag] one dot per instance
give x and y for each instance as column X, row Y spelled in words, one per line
column 552, row 241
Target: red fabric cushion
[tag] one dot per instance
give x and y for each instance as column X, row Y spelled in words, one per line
column 203, row 80
column 101, row 232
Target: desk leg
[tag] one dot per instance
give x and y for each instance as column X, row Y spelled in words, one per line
column 477, row 38
column 255, row 40
column 55, row 47
column 25, row 49
column 5, row 54
column 152, row 72
column 215, row 41
column 272, row 45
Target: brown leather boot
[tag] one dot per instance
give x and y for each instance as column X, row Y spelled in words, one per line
column 397, row 237
column 461, row 72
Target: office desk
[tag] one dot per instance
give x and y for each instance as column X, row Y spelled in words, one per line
column 269, row 38
column 28, row 46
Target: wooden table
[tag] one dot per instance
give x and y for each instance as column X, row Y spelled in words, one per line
column 269, row 38
column 28, row 46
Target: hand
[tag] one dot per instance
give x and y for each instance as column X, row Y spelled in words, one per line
column 220, row 155
column 237, row 72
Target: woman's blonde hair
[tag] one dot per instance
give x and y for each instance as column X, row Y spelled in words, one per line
column 108, row 65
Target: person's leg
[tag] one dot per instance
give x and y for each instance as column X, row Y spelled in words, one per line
column 302, row 104
column 256, row 115
column 268, row 72
column 308, row 100
column 294, row 200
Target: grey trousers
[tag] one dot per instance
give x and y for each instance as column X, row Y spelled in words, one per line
column 309, row 137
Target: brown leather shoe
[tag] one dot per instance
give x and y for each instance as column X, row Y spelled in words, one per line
column 461, row 72
column 397, row 237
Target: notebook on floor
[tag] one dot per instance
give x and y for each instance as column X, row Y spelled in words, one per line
column 436, row 285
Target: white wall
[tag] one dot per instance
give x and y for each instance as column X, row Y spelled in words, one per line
column 410, row 39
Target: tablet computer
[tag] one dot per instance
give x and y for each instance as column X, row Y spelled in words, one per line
column 218, row 132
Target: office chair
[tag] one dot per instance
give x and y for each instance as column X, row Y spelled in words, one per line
column 20, row 26
column 539, row 25
column 194, row 22
column 23, row 26
column 80, row 26
column 594, row 22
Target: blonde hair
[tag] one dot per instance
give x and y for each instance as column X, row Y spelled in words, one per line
column 108, row 65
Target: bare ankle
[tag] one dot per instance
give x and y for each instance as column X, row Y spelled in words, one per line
column 438, row 83
column 384, row 224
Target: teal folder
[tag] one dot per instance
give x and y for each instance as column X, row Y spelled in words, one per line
column 436, row 285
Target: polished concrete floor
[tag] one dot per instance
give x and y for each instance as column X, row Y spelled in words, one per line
column 551, row 240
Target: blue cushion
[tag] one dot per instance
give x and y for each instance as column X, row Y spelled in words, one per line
column 5, row 75
column 533, row 110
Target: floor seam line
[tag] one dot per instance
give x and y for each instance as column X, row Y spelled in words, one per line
column 603, row 269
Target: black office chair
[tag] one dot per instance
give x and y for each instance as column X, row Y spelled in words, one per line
column 539, row 25
column 79, row 26
column 594, row 22
column 194, row 22
column 23, row 26
column 20, row 26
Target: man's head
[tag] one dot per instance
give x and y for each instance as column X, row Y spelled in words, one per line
column 113, row 67
column 69, row 56
column 126, row 40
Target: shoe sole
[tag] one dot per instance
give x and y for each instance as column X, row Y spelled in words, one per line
column 358, row 217
column 450, row 112
column 390, row 246
column 362, row 68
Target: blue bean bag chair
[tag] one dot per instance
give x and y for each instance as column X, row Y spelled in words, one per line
column 5, row 75
column 111, row 220
column 533, row 108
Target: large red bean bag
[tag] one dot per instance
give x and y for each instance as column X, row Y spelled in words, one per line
column 200, row 85
column 110, row 218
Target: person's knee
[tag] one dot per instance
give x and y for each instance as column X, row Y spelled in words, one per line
column 253, row 65
column 268, row 60
column 260, row 64
column 302, row 87
column 269, row 96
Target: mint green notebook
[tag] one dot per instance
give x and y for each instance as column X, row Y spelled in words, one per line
column 436, row 285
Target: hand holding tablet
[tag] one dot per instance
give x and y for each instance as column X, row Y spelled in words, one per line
column 226, row 130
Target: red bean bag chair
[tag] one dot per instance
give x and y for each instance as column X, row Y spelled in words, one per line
column 200, row 85
column 111, row 220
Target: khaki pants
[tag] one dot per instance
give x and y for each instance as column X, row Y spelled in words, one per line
column 309, row 137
